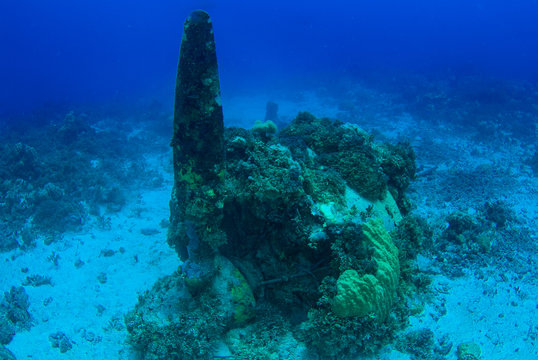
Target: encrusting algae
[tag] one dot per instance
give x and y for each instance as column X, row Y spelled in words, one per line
column 291, row 223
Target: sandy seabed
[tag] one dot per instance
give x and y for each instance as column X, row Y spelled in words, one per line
column 100, row 272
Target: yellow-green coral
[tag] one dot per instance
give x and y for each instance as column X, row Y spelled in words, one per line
column 242, row 298
column 266, row 127
column 361, row 295
column 186, row 174
column 357, row 295
column 235, row 296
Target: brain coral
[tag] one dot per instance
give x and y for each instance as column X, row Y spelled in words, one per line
column 360, row 295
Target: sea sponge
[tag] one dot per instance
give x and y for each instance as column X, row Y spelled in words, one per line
column 469, row 351
column 264, row 130
column 361, row 295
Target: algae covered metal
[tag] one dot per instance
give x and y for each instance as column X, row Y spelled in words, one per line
column 283, row 230
column 197, row 142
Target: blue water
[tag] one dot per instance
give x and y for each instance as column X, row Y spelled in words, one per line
column 87, row 52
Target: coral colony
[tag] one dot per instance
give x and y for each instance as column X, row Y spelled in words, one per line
column 283, row 235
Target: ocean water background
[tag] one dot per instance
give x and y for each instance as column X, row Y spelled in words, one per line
column 70, row 54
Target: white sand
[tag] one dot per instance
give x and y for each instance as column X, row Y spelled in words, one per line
column 77, row 293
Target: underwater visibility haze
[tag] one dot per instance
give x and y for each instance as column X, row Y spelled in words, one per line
column 269, row 180
column 86, row 52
